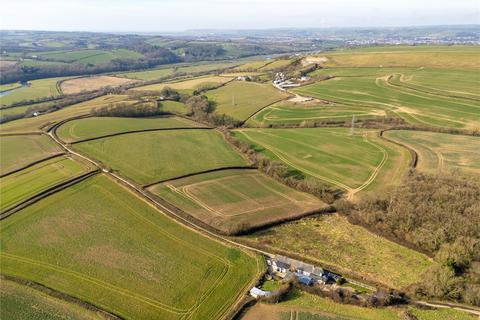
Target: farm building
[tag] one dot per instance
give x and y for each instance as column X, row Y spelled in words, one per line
column 303, row 279
column 258, row 293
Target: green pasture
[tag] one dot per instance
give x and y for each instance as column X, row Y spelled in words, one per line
column 152, row 156
column 276, row 64
column 351, row 249
column 441, row 151
column 36, row 124
column 417, row 107
column 240, row 99
column 230, row 199
column 100, row 126
column 24, row 184
column 187, row 86
column 36, row 89
column 455, row 57
column 100, row 243
column 90, row 56
column 19, row 151
column 305, row 113
column 153, row 74
column 174, row 107
column 349, row 162
column 254, row 65
column 9, row 86
column 20, row 302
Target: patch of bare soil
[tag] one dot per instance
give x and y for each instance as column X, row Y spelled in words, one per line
column 92, row 83
column 313, row 59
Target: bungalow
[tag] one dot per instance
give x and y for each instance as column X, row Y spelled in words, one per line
column 258, row 293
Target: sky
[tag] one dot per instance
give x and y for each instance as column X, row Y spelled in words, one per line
column 180, row 15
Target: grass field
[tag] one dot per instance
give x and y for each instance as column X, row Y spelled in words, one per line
column 240, row 99
column 154, row 74
column 457, row 57
column 277, row 64
column 290, row 112
column 101, row 243
column 230, row 200
column 24, row 184
column 389, row 89
column 153, row 156
column 352, row 163
column 351, row 249
column 42, row 88
column 187, row 86
column 174, row 107
column 78, row 85
column 90, row 56
column 254, row 65
column 19, row 151
column 440, row 151
column 100, row 126
column 36, row 124
column 304, row 306
column 20, row 302
column 9, row 86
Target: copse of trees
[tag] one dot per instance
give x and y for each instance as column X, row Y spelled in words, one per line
column 439, row 214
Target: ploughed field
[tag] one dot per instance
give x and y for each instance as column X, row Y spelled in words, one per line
column 19, row 151
column 440, row 151
column 100, row 243
column 240, row 99
column 20, row 186
column 236, row 200
column 88, row 128
column 407, row 93
column 349, row 162
column 148, row 157
column 20, row 302
column 78, row 85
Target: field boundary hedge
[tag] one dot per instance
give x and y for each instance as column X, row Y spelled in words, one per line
column 413, row 153
column 45, row 193
column 60, row 295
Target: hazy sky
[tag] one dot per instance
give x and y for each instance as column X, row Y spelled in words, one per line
column 177, row 15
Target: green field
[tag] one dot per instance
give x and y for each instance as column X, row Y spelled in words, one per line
column 42, row 88
column 154, row 156
column 254, row 65
column 20, row 302
column 440, row 151
column 383, row 90
column 19, row 151
column 174, row 107
column 351, row 249
column 154, row 74
column 100, row 126
column 299, row 305
column 90, row 56
column 304, row 113
column 9, row 86
column 240, row 99
column 352, row 163
column 100, row 243
column 230, row 200
column 277, row 64
column 456, row 57
column 24, row 184
column 187, row 86
column 36, row 124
